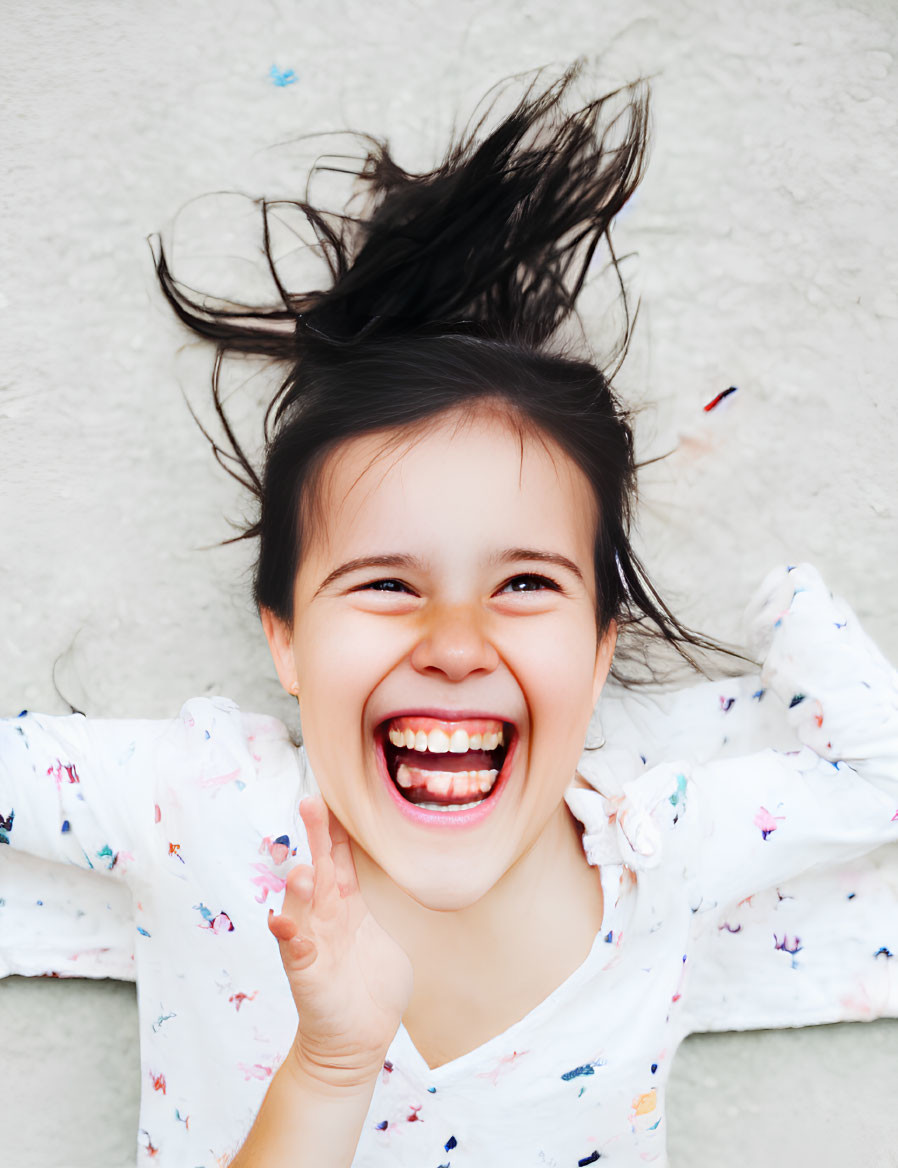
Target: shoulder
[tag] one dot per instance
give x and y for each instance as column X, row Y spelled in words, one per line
column 213, row 741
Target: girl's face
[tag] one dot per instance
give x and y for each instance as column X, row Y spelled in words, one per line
column 444, row 647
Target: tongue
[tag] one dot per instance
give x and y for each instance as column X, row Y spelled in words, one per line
column 471, row 760
column 422, row 795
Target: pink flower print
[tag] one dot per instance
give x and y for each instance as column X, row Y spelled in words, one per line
column 502, row 1066
column 278, row 849
column 220, row 780
column 256, row 1071
column 71, row 774
column 239, row 999
column 766, row 822
column 218, row 924
column 267, row 881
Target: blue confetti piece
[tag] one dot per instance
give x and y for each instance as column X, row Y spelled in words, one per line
column 580, row 1092
column 654, row 1067
column 796, row 701
column 586, row 1069
column 40, row 903
column 22, row 714
column 883, row 950
column 589, row 1159
column 851, row 896
column 609, row 936
column 383, row 1125
column 451, row 1143
column 282, row 77
column 432, row 1090
column 142, row 931
column 206, row 735
column 66, row 826
column 758, row 694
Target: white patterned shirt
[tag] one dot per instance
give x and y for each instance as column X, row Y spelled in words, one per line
column 738, row 828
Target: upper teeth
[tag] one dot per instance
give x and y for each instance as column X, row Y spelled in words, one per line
column 439, row 742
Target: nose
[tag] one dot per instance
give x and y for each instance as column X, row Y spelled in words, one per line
column 455, row 643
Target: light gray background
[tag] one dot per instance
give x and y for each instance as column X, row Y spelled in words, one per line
column 766, row 257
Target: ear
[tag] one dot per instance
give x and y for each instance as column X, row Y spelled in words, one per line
column 604, row 655
column 280, row 641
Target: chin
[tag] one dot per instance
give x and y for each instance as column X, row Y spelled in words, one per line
column 442, row 895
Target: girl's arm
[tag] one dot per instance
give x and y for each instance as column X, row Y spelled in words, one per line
column 77, row 790
column 734, row 826
column 757, row 821
column 351, row 983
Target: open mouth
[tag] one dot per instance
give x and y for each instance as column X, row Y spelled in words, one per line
column 440, row 765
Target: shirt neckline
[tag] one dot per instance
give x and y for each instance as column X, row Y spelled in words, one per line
column 609, row 874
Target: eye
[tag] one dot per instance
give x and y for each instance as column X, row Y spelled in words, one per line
column 383, row 586
column 529, row 582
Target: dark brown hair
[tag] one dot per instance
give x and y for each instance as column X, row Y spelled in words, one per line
column 452, row 289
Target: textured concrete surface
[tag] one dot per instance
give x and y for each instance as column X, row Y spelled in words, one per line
column 763, row 246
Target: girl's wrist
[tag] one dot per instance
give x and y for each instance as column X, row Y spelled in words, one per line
column 333, row 1078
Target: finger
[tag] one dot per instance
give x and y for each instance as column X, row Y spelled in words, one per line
column 298, row 893
column 341, row 851
column 327, row 898
column 281, row 927
column 297, row 954
column 313, row 811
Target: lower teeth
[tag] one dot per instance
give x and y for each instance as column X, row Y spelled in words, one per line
column 447, row 806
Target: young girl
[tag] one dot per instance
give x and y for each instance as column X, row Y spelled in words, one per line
column 493, row 940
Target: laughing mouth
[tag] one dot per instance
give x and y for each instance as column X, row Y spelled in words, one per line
column 444, row 765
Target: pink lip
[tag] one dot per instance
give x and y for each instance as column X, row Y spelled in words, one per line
column 444, row 715
column 455, row 820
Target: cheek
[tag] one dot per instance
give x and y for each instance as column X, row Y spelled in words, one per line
column 557, row 673
column 340, row 662
column 343, row 653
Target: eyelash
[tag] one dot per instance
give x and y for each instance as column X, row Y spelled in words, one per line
column 533, row 577
column 376, row 586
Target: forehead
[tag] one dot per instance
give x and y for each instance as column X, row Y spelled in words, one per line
column 478, row 470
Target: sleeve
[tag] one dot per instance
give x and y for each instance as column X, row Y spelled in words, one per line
column 76, row 790
column 818, row 949
column 763, row 819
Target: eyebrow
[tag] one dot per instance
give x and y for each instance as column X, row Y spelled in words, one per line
column 396, row 560
column 412, row 563
column 511, row 555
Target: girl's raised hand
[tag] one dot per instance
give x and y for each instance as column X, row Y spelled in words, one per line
column 350, row 980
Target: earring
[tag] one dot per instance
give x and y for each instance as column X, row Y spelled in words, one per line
column 595, row 737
